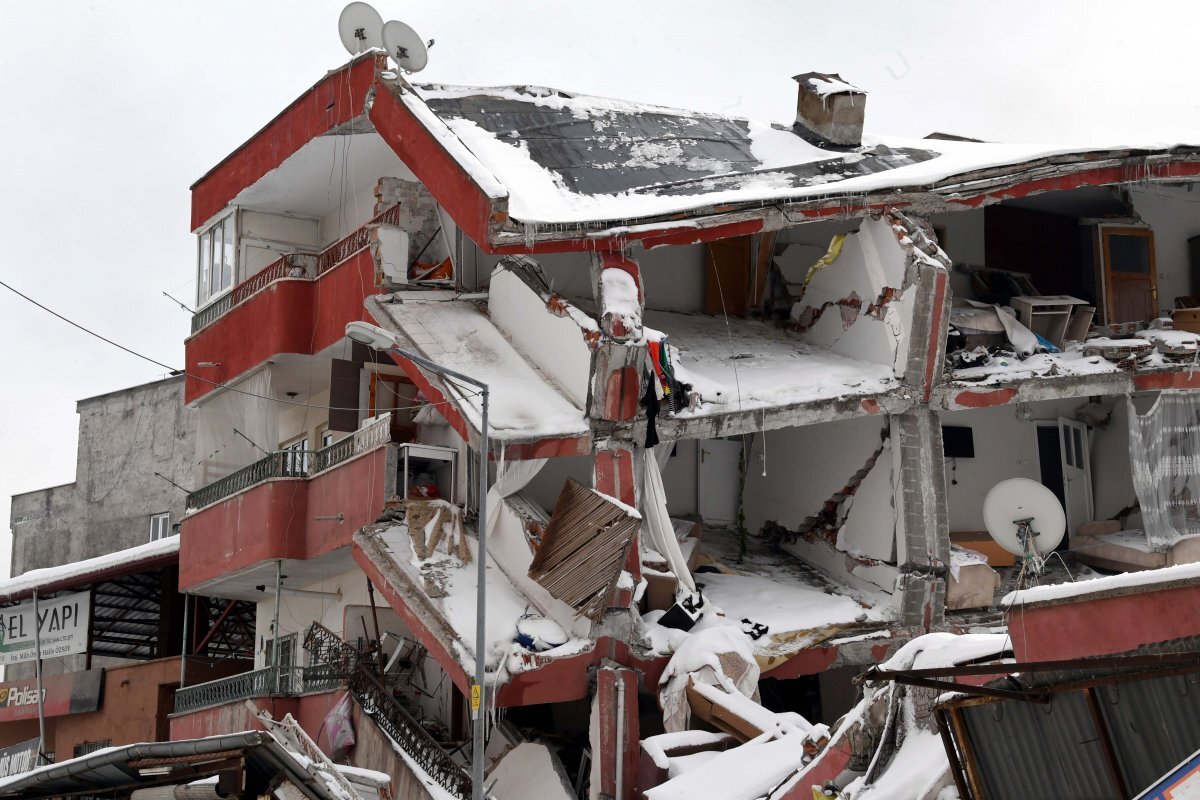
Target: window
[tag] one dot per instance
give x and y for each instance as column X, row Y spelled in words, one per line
column 295, row 459
column 327, row 438
column 84, row 748
column 160, row 526
column 215, row 260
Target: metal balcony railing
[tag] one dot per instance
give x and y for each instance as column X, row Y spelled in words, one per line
column 378, row 703
column 331, row 651
column 294, row 265
column 295, row 463
column 257, row 683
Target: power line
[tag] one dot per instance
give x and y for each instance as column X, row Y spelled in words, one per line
column 215, row 384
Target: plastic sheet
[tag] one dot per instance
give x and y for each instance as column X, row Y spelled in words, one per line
column 1164, row 457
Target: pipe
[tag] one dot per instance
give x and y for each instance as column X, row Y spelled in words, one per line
column 275, row 625
column 477, row 747
column 184, row 647
column 620, row 768
column 37, row 666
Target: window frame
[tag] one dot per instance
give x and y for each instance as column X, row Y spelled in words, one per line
column 164, row 516
column 225, row 224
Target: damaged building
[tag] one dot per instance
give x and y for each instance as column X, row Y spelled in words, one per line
column 748, row 384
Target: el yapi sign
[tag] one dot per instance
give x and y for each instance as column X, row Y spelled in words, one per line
column 63, row 623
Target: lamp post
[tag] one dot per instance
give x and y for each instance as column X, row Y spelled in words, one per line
column 378, row 338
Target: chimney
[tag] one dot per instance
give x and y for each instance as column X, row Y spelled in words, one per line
column 829, row 111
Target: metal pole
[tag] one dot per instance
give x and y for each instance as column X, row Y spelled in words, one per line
column 37, row 668
column 183, row 647
column 275, row 626
column 477, row 703
column 477, row 757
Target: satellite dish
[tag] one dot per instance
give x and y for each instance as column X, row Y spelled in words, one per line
column 405, row 47
column 1025, row 518
column 360, row 28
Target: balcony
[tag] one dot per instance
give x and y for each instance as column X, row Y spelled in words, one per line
column 265, row 682
column 298, row 304
column 294, row 464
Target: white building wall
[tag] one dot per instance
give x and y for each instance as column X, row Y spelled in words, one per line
column 1174, row 214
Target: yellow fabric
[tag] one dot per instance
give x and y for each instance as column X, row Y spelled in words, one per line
column 831, row 255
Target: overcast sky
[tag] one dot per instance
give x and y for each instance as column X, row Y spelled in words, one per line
column 111, row 110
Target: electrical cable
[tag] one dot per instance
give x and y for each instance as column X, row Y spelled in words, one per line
column 215, row 384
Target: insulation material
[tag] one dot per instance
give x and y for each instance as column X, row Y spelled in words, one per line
column 248, row 408
column 430, row 522
column 1164, row 455
column 584, row 549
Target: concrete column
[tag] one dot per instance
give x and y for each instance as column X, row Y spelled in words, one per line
column 615, row 472
column 614, row 734
column 923, row 535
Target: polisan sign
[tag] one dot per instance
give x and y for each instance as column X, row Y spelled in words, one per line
column 63, row 621
column 72, row 693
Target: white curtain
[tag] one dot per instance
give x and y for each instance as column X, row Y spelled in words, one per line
column 656, row 522
column 1164, row 456
column 220, row 451
column 511, row 477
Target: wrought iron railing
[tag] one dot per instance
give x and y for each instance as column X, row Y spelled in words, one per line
column 212, row 311
column 377, row 703
column 257, row 683
column 333, row 455
column 331, row 651
column 295, row 265
column 283, row 464
column 295, row 463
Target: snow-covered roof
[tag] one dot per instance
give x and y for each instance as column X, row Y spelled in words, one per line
column 121, row 562
column 1144, row 580
column 571, row 159
column 524, row 405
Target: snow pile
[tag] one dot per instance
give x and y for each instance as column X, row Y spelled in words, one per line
column 1091, row 586
column 129, row 558
column 530, row 769
column 720, row 655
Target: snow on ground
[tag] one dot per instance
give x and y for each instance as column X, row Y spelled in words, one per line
column 1107, row 583
column 743, row 773
column 121, row 558
column 523, row 403
column 505, row 603
column 1007, row 369
column 946, row 650
column 743, row 364
column 917, row 768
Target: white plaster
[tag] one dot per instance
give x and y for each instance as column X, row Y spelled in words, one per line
column 554, row 344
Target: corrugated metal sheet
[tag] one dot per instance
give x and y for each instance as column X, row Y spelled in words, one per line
column 1029, row 750
column 1154, row 724
column 1025, row 749
column 583, row 549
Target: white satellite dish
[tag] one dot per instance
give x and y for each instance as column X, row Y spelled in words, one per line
column 360, row 28
column 405, row 47
column 1025, row 518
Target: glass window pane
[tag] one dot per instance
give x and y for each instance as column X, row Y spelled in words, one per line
column 227, row 252
column 1130, row 254
column 203, row 262
column 1078, row 437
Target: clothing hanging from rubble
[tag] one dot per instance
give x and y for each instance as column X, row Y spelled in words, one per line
column 656, row 522
column 1164, row 457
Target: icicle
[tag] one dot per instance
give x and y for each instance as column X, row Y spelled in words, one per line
column 763, row 455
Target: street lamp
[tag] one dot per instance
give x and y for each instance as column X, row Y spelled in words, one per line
column 380, row 339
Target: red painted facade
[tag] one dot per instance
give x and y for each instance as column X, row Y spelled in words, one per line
column 288, row 316
column 276, row 520
column 1096, row 624
column 335, row 100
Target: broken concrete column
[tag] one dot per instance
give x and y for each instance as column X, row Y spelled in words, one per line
column 923, row 530
column 619, row 357
column 614, row 734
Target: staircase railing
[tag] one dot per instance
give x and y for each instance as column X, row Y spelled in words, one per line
column 330, row 650
column 377, row 702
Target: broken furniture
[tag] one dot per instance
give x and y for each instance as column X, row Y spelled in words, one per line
column 981, row 542
column 1049, row 316
column 426, row 457
column 1186, row 319
column 1105, row 545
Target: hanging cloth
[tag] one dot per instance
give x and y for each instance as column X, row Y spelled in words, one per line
column 656, row 522
column 1164, row 458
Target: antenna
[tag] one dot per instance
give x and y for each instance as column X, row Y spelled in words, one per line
column 405, row 47
column 360, row 28
column 1026, row 519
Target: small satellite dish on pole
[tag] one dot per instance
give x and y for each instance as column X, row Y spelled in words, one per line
column 405, row 47
column 360, row 28
column 1026, row 519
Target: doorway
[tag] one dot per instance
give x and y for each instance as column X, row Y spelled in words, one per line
column 717, row 481
column 1064, row 461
